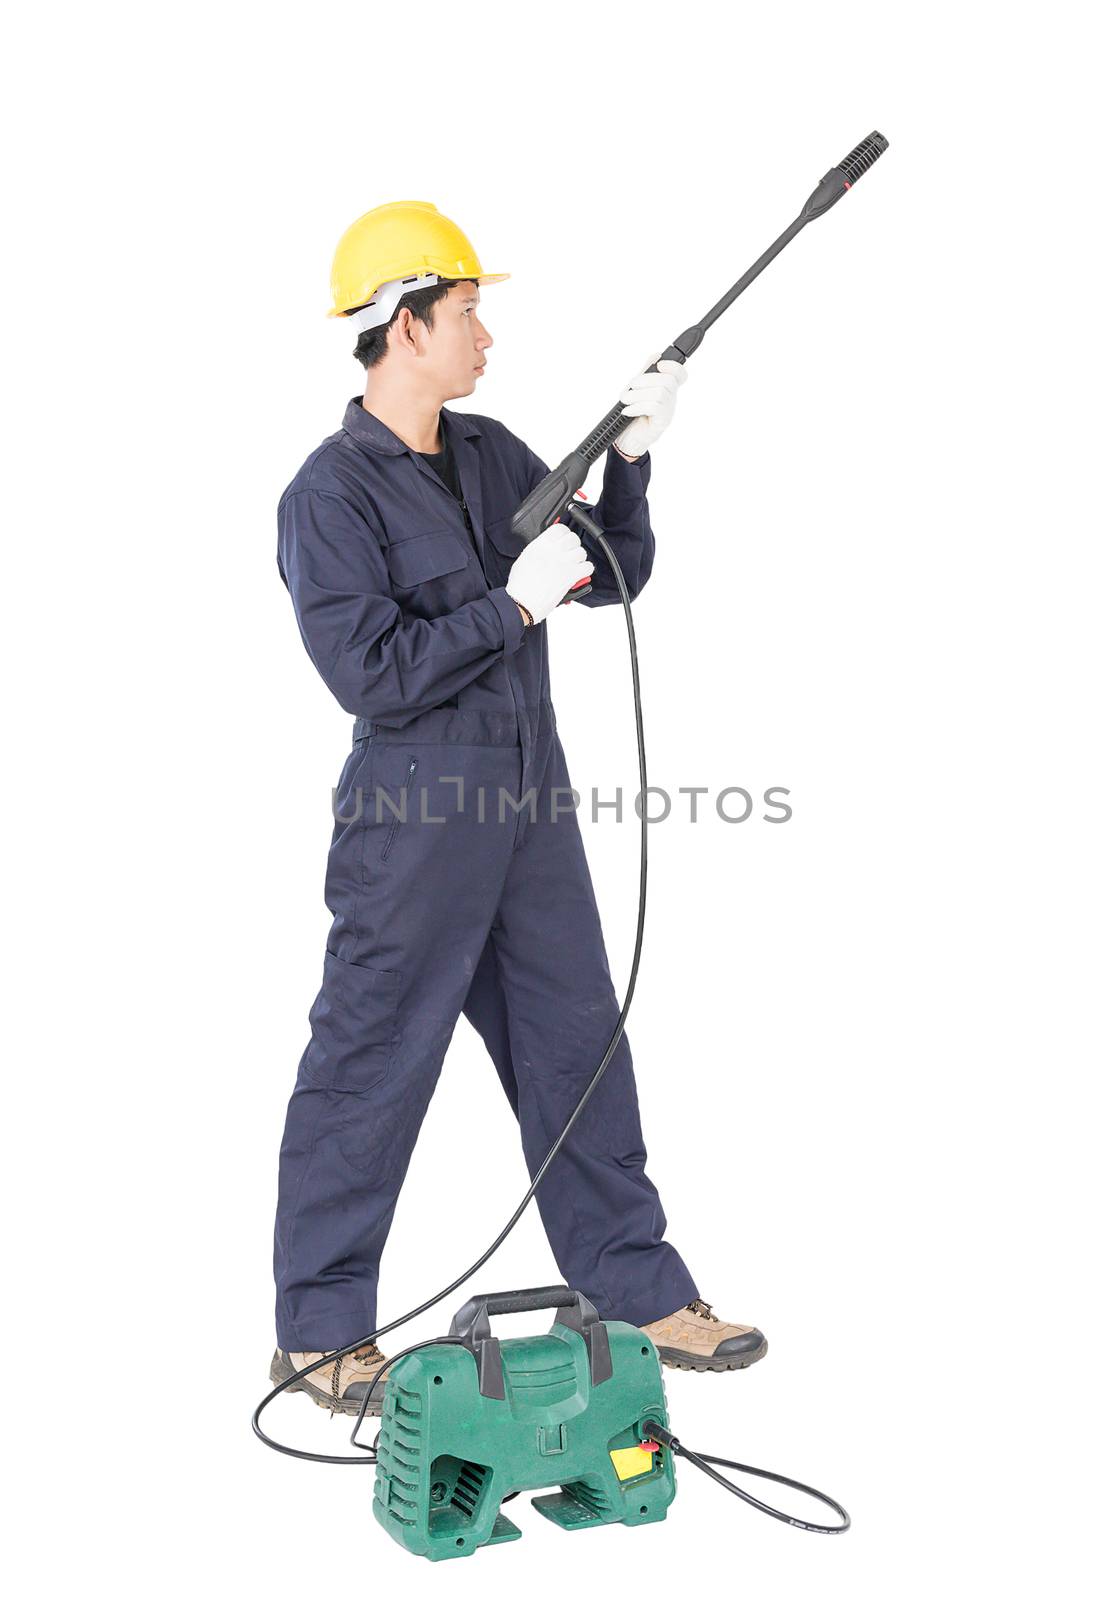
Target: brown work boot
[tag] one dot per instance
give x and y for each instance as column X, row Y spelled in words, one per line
column 696, row 1341
column 339, row 1386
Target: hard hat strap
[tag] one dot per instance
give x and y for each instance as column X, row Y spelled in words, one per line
column 381, row 307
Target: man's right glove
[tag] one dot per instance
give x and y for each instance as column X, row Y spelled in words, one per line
column 547, row 569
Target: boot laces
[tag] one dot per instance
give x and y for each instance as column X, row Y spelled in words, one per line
column 368, row 1355
column 702, row 1309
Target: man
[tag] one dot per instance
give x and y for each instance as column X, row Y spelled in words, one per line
column 426, row 618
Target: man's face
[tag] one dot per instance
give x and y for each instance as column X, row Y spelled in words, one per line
column 458, row 342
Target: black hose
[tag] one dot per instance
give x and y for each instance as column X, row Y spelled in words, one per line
column 670, row 1441
column 584, row 521
column 704, row 1461
column 651, row 1430
column 537, row 510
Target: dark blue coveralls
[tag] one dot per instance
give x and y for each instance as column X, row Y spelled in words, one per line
column 443, row 901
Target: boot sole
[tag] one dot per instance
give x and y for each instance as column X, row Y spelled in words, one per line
column 682, row 1361
column 281, row 1368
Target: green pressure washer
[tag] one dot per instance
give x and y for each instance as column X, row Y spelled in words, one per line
column 469, row 1420
column 467, row 1424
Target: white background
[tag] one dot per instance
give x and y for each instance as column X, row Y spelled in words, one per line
column 868, row 1042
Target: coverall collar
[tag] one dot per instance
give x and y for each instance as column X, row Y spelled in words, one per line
column 369, row 430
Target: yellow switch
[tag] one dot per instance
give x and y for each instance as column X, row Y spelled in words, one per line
column 632, row 1461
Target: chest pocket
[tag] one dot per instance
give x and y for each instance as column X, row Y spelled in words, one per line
column 431, row 573
column 504, row 548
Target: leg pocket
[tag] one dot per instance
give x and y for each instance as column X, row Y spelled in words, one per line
column 354, row 1020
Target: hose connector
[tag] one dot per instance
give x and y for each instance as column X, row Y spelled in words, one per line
column 660, row 1435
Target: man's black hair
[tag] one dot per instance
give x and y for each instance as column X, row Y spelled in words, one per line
column 371, row 347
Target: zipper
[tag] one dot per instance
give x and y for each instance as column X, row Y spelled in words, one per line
column 390, row 840
column 471, row 541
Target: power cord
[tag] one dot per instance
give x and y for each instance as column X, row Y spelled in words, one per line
column 651, row 1430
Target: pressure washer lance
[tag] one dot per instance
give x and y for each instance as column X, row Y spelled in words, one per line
column 557, row 493
column 546, row 502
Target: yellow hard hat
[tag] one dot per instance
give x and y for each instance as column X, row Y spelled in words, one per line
column 404, row 240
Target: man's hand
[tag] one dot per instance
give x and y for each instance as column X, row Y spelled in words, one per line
column 650, row 398
column 548, row 568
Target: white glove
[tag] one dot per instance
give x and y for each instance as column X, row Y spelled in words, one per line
column 650, row 397
column 547, row 569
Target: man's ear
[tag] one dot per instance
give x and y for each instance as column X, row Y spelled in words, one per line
column 405, row 328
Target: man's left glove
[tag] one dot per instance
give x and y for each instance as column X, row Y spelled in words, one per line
column 650, row 398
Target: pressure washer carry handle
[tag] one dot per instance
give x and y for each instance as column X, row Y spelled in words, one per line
column 472, row 1327
column 515, row 1300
